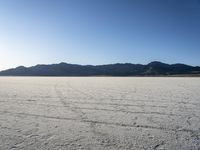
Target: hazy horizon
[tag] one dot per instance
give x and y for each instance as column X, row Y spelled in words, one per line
column 99, row 32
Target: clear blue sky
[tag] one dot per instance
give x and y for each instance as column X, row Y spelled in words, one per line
column 99, row 31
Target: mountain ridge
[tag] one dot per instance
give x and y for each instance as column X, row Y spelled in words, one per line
column 154, row 68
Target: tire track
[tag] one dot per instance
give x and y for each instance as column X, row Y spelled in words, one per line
column 83, row 117
column 108, row 110
column 94, row 103
column 166, row 102
column 99, row 122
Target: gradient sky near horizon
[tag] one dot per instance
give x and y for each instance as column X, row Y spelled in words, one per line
column 99, row 31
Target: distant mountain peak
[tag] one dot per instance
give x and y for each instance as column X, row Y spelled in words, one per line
column 21, row 67
column 63, row 63
column 157, row 63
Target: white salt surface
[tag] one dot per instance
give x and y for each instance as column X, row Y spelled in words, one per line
column 99, row 113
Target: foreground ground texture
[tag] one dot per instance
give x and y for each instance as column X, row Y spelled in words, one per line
column 99, row 113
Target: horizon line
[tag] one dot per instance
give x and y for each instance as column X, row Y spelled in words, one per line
column 100, row 64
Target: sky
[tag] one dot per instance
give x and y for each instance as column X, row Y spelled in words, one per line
column 99, row 32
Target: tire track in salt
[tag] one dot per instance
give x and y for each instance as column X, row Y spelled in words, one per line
column 108, row 110
column 99, row 137
column 99, row 122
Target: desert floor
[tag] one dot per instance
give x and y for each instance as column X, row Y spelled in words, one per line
column 99, row 113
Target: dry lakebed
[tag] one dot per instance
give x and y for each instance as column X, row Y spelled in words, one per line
column 99, row 113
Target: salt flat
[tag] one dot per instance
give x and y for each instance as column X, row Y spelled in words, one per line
column 99, row 113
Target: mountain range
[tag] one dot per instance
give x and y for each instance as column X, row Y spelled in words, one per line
column 119, row 69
